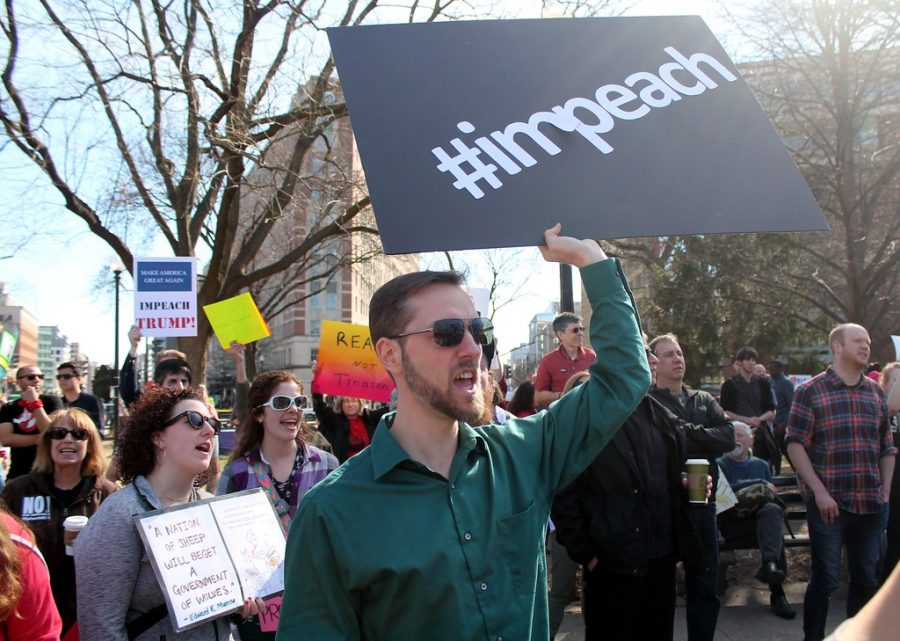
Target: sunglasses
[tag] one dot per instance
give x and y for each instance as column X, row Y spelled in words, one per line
column 31, row 377
column 282, row 403
column 196, row 420
column 65, row 377
column 59, row 433
column 449, row 332
column 578, row 330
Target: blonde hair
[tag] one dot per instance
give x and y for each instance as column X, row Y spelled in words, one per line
column 94, row 463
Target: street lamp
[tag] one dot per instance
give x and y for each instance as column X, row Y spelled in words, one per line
column 117, row 268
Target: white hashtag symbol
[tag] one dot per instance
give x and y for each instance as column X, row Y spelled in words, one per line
column 468, row 181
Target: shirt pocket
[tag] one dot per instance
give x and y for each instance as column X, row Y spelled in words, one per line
column 523, row 549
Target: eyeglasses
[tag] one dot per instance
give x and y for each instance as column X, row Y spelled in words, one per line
column 578, row 330
column 449, row 332
column 31, row 377
column 196, row 420
column 59, row 433
column 281, row 403
column 65, row 377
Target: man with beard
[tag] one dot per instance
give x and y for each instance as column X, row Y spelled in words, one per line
column 840, row 443
column 437, row 529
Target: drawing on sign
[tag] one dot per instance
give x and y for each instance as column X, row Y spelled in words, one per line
column 610, row 101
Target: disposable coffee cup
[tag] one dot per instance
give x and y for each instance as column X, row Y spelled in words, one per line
column 697, row 471
column 72, row 526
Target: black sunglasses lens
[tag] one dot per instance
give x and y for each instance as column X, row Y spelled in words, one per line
column 195, row 419
column 79, row 434
column 215, row 424
column 56, row 433
column 482, row 331
column 449, row 332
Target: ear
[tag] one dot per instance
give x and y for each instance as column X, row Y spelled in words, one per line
column 159, row 440
column 390, row 354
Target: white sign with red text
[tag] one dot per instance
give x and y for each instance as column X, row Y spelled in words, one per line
column 165, row 296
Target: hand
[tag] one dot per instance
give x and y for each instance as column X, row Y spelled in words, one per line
column 564, row 249
column 30, row 393
column 885, row 494
column 709, row 487
column 237, row 351
column 251, row 607
column 753, row 421
column 828, row 507
column 134, row 335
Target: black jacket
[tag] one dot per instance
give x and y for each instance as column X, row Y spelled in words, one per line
column 336, row 428
column 601, row 514
column 702, row 410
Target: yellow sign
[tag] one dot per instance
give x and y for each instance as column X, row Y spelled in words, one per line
column 236, row 319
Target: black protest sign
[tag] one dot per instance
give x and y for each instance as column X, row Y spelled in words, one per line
column 482, row 134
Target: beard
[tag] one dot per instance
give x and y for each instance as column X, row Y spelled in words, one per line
column 443, row 401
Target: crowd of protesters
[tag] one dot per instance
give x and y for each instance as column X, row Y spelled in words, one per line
column 435, row 518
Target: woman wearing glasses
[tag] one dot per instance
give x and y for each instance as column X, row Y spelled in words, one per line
column 66, row 480
column 165, row 450
column 270, row 453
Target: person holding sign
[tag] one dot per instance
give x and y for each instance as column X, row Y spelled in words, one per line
column 346, row 424
column 165, row 450
column 66, row 480
column 270, row 453
column 437, row 528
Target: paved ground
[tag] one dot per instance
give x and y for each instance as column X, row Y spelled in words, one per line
column 745, row 616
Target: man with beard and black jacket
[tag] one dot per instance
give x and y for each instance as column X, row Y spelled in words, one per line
column 626, row 521
column 699, row 408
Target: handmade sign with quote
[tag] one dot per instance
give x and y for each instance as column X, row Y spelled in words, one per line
column 483, row 134
column 347, row 364
column 209, row 555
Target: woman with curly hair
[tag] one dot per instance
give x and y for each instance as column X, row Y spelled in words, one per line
column 27, row 610
column 270, row 453
column 66, row 480
column 165, row 449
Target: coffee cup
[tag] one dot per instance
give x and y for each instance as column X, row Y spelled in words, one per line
column 697, row 471
column 72, row 526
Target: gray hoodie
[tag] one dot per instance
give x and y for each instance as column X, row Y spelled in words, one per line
column 115, row 580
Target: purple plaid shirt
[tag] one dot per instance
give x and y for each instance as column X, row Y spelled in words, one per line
column 845, row 430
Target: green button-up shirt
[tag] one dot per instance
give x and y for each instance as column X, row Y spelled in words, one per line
column 384, row 548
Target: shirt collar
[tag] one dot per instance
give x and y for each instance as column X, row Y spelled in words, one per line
column 837, row 381
column 388, row 454
column 562, row 350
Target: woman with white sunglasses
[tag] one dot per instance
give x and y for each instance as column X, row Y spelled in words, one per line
column 270, row 453
column 66, row 480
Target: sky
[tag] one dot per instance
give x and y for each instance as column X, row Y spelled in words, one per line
column 60, row 272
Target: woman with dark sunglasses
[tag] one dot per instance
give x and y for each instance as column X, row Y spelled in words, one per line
column 270, row 453
column 165, row 450
column 66, row 480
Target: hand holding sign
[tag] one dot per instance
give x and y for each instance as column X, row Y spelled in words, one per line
column 571, row 251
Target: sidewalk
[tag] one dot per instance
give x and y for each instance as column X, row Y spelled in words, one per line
column 745, row 616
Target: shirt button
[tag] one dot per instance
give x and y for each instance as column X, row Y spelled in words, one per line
column 483, row 587
column 467, row 536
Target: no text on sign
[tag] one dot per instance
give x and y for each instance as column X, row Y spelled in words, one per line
column 481, row 134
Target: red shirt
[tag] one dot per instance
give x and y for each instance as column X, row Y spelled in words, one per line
column 359, row 436
column 556, row 368
column 35, row 616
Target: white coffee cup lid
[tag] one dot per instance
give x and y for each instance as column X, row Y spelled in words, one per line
column 696, row 461
column 75, row 522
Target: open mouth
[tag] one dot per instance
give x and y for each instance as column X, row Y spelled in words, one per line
column 465, row 379
column 68, row 450
column 206, row 448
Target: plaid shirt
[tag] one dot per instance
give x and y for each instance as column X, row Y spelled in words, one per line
column 845, row 430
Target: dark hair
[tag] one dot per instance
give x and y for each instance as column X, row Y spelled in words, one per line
column 171, row 366
column 250, row 433
column 776, row 367
column 562, row 321
column 69, row 365
column 522, row 400
column 389, row 310
column 136, row 450
column 746, row 352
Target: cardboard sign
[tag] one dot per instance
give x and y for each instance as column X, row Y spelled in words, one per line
column 165, row 296
column 209, row 555
column 236, row 319
column 8, row 340
column 483, row 134
column 348, row 365
column 268, row 619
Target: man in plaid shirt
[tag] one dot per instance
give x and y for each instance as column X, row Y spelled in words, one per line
column 840, row 443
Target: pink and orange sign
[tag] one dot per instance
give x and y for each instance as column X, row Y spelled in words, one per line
column 348, row 365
